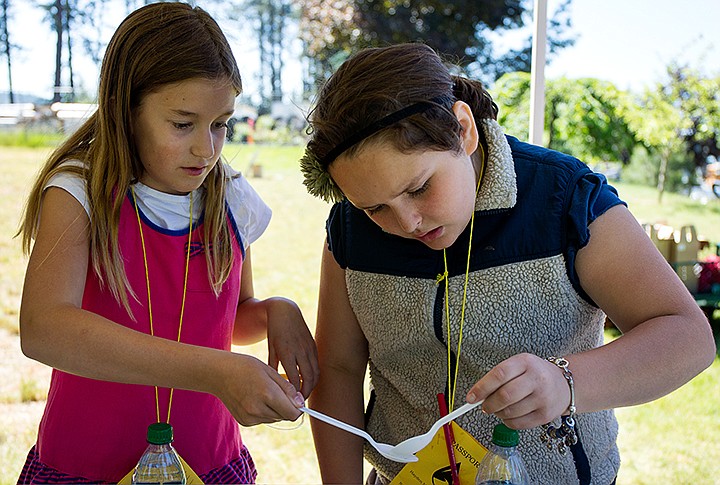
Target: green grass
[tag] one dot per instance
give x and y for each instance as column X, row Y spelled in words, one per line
column 675, row 439
column 21, row 137
column 675, row 210
column 19, row 166
column 31, row 390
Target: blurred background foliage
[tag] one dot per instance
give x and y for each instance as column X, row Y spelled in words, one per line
column 666, row 136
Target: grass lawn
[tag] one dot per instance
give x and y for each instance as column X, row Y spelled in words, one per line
column 675, row 439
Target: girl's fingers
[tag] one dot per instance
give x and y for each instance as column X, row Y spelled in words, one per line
column 497, row 377
column 291, row 375
column 273, row 360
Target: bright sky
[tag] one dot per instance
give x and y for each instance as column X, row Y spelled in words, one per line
column 628, row 42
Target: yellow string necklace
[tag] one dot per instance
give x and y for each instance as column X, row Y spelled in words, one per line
column 147, row 281
column 452, row 380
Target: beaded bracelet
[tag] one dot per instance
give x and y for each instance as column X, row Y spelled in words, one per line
column 562, row 436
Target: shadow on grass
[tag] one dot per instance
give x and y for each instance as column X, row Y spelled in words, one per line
column 715, row 324
column 714, row 319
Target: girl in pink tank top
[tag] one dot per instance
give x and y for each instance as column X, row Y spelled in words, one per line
column 139, row 278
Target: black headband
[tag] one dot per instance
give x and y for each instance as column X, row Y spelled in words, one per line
column 391, row 119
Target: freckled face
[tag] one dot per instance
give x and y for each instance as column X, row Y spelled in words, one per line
column 428, row 196
column 179, row 132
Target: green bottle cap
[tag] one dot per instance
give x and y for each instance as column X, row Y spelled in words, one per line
column 160, row 434
column 504, row 436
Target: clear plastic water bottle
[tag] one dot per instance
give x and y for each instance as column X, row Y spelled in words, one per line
column 502, row 465
column 160, row 464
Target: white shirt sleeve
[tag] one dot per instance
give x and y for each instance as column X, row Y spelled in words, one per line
column 72, row 183
column 249, row 211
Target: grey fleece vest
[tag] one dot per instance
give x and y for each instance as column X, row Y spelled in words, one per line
column 531, row 218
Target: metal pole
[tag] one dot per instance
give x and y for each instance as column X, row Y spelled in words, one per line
column 537, row 73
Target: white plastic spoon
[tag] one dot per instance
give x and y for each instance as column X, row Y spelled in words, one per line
column 403, row 452
column 384, row 449
column 412, row 445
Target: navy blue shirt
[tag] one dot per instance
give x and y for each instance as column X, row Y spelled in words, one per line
column 558, row 197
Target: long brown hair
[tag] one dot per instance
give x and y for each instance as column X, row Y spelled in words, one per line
column 156, row 45
column 379, row 81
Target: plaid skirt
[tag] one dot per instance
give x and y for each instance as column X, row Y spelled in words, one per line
column 241, row 470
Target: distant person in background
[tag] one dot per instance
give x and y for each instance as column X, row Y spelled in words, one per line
column 139, row 278
column 462, row 261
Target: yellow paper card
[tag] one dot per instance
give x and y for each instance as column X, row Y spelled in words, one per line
column 433, row 465
column 190, row 476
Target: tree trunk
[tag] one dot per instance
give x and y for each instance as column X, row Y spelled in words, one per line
column 6, row 48
column 275, row 38
column 68, row 15
column 661, row 175
column 263, row 27
column 551, row 123
column 58, row 22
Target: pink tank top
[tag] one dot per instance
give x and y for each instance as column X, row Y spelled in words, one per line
column 97, row 429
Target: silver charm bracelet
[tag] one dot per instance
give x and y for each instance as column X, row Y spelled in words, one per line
column 564, row 436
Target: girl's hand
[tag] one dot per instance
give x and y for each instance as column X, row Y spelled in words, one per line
column 254, row 393
column 291, row 343
column 524, row 391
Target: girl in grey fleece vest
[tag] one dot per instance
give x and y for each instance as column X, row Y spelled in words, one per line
column 449, row 236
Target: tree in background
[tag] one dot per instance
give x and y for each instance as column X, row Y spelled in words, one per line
column 458, row 29
column 679, row 123
column 269, row 19
column 58, row 15
column 93, row 18
column 65, row 16
column 668, row 133
column 512, row 95
column 6, row 46
column 585, row 117
column 658, row 125
column 328, row 34
column 330, row 30
column 698, row 99
column 663, row 136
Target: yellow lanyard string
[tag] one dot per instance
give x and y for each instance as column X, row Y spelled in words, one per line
column 147, row 281
column 452, row 380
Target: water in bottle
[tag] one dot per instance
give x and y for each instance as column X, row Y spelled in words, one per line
column 160, row 464
column 502, row 465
